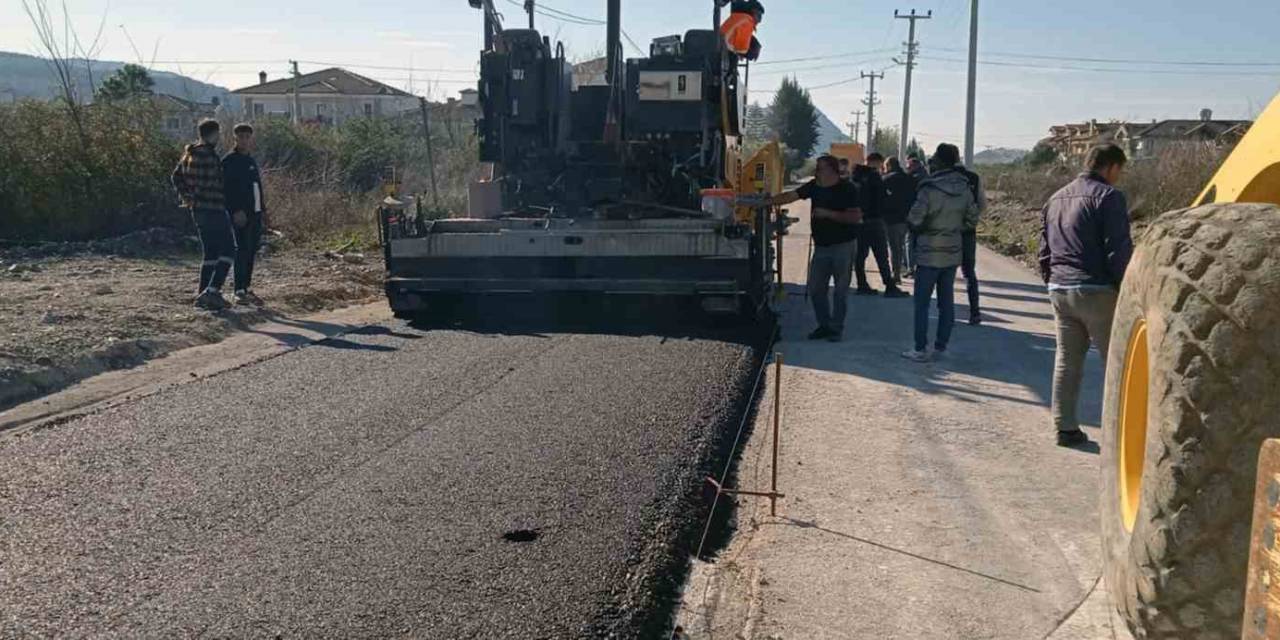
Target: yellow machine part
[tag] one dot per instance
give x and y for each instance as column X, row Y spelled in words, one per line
column 854, row 152
column 1252, row 172
column 762, row 173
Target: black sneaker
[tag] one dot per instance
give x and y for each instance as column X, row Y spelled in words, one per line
column 1072, row 438
column 821, row 333
column 975, row 318
column 211, row 301
column 894, row 292
column 835, row 336
column 866, row 291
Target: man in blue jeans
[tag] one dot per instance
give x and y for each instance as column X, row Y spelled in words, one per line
column 945, row 206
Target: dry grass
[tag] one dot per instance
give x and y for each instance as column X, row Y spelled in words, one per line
column 307, row 214
column 312, row 208
column 1170, row 181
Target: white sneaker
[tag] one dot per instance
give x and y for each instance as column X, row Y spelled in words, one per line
column 917, row 356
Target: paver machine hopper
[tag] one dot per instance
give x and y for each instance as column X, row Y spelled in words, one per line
column 612, row 177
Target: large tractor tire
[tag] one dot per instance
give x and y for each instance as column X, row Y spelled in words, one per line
column 1191, row 393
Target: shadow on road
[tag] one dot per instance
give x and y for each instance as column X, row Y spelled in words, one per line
column 549, row 315
column 1013, row 349
column 348, row 345
column 803, row 524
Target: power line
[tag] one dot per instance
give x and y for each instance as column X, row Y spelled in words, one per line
column 847, row 54
column 575, row 19
column 824, row 67
column 385, row 67
column 313, row 62
column 1020, row 65
column 1195, row 63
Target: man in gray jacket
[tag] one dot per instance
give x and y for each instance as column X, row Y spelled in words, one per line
column 1085, row 248
column 945, row 206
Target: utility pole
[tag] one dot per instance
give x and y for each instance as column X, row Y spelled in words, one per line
column 871, row 101
column 971, row 111
column 431, row 157
column 856, row 125
column 913, row 48
column 297, row 116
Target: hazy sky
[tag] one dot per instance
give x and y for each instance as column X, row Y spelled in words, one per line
column 1098, row 58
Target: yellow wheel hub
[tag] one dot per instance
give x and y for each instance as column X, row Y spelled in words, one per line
column 1133, row 424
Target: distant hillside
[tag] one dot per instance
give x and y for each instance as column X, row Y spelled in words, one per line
column 24, row 76
column 999, row 156
column 828, row 132
column 757, row 127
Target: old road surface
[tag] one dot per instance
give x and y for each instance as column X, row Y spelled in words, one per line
column 518, row 480
column 923, row 501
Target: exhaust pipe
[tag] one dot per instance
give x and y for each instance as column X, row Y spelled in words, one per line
column 613, row 39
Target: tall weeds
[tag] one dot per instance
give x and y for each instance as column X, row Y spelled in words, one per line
column 319, row 180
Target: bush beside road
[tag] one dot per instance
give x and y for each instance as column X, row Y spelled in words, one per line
column 1016, row 193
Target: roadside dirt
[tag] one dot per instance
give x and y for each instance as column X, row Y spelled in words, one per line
column 1011, row 228
column 72, row 310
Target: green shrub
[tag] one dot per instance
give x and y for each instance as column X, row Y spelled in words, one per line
column 319, row 179
column 60, row 181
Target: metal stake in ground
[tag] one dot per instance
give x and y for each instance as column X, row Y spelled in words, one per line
column 777, row 419
column 772, row 494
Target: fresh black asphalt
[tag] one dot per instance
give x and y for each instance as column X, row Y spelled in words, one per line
column 443, row 482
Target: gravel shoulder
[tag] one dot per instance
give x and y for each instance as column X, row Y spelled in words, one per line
column 69, row 311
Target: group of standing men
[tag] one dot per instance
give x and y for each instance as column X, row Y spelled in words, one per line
column 928, row 222
column 917, row 224
column 225, row 198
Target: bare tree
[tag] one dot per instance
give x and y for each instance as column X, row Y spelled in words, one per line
column 60, row 42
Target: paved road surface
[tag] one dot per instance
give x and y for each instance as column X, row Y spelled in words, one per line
column 923, row 501
column 363, row 487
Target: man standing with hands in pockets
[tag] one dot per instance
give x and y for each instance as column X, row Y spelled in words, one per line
column 247, row 207
column 834, row 220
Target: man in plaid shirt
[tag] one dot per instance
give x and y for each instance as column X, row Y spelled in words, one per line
column 198, row 179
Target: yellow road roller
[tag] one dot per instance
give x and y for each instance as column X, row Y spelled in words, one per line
column 1192, row 392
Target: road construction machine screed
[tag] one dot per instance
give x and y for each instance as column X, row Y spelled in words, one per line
column 616, row 177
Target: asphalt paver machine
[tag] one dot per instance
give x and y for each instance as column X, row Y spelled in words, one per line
column 612, row 177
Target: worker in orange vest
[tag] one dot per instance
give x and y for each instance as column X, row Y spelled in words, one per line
column 739, row 29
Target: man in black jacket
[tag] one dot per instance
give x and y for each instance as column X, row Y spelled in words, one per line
column 1085, row 248
column 899, row 195
column 248, row 208
column 969, row 263
column 873, row 237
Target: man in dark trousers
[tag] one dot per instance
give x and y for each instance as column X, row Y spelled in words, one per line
column 944, row 207
column 1085, row 246
column 916, row 168
column 198, row 179
column 969, row 267
column 899, row 195
column 247, row 206
column 834, row 220
column 873, row 237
